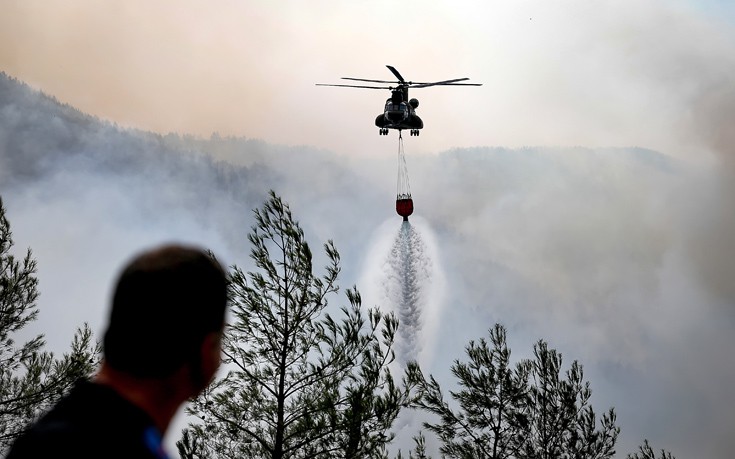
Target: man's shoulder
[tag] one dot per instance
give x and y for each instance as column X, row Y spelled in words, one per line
column 91, row 421
column 53, row 438
column 61, row 439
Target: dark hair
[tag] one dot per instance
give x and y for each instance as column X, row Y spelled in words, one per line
column 165, row 302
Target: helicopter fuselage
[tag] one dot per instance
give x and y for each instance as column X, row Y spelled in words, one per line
column 399, row 113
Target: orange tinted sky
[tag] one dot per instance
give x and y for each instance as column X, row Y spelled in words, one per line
column 607, row 73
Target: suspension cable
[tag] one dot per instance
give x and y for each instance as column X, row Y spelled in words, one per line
column 404, row 188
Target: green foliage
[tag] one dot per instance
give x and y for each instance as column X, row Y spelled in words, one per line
column 526, row 410
column 300, row 383
column 491, row 421
column 419, row 451
column 31, row 379
column 189, row 447
column 562, row 421
column 646, row 452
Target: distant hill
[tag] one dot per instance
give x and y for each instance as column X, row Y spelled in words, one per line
column 42, row 138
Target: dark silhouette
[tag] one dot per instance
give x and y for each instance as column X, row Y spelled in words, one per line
column 161, row 348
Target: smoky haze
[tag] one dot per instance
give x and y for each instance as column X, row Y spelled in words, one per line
column 571, row 72
column 621, row 258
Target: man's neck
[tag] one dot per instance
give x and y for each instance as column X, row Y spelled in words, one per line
column 159, row 398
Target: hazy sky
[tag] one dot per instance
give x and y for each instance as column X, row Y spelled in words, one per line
column 626, row 263
column 563, row 72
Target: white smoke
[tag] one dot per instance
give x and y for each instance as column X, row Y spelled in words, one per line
column 618, row 257
column 403, row 276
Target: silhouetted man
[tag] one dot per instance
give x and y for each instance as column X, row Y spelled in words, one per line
column 161, row 348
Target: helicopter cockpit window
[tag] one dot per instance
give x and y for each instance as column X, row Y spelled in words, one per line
column 397, row 107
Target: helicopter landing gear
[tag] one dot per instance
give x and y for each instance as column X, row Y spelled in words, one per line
column 384, row 131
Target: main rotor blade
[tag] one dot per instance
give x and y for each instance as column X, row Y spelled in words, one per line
column 354, row 86
column 395, row 72
column 371, row 81
column 446, row 83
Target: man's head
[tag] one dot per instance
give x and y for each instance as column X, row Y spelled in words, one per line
column 167, row 302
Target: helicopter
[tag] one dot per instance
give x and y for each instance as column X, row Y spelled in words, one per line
column 400, row 111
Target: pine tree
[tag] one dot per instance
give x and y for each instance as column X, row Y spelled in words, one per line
column 490, row 420
column 299, row 382
column 524, row 411
column 562, row 423
column 646, row 452
column 31, row 379
column 419, row 450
